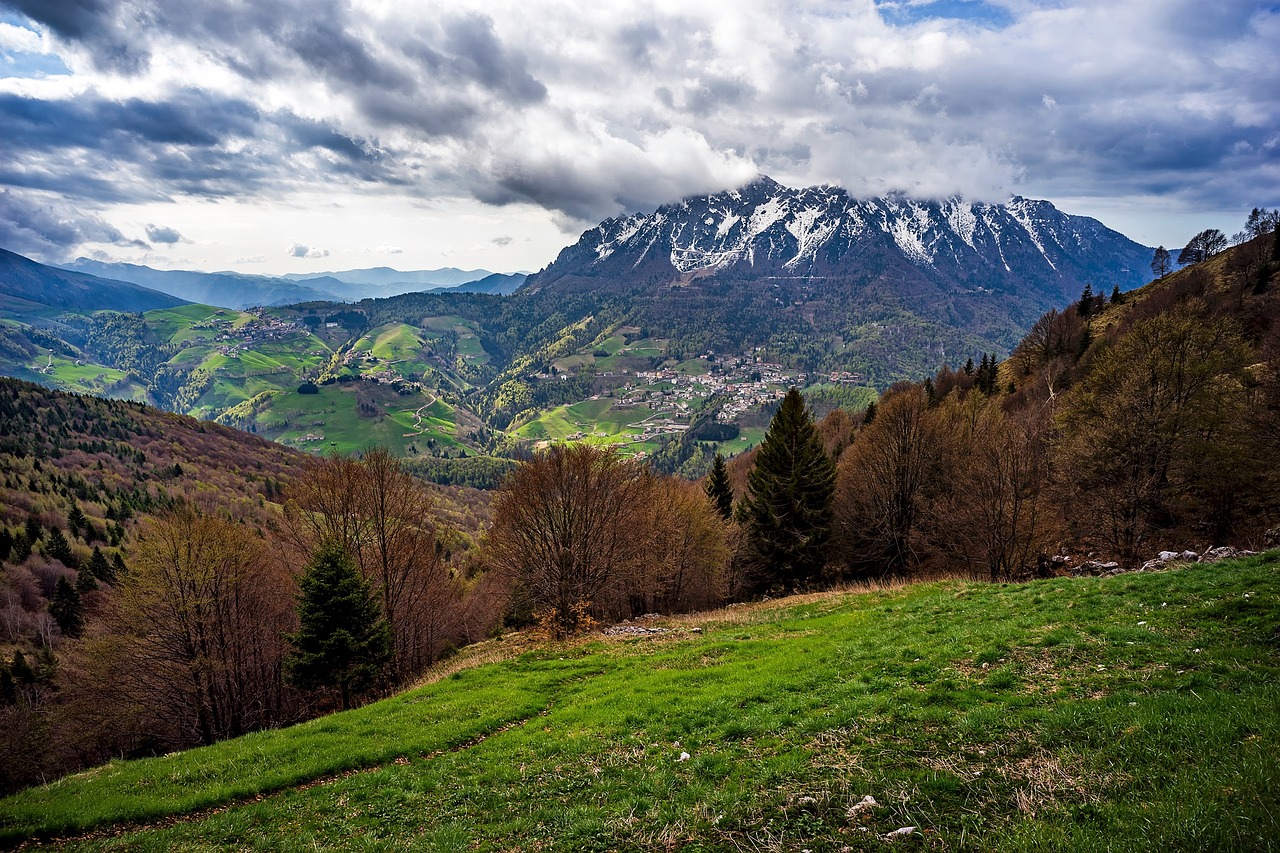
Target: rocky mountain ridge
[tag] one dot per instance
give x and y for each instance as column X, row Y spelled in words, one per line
column 767, row 230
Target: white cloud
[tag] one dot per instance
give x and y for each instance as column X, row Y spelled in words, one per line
column 587, row 110
column 299, row 250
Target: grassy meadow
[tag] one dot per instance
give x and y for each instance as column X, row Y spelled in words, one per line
column 1136, row 712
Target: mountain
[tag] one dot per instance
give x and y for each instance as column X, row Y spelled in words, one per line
column 501, row 284
column 224, row 289
column 822, row 234
column 887, row 287
column 384, row 276
column 27, row 287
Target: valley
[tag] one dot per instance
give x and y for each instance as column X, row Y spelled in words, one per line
column 668, row 335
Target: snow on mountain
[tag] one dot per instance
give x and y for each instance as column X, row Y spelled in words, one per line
column 766, row 229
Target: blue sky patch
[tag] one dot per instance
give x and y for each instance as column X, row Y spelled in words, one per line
column 904, row 12
column 18, row 63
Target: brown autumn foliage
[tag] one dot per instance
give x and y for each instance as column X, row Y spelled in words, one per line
column 581, row 534
column 1151, row 424
column 884, row 483
column 189, row 648
column 387, row 520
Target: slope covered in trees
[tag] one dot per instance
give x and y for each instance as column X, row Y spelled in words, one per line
column 148, row 570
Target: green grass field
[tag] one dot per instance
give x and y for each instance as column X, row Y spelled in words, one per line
column 597, row 420
column 331, row 420
column 1131, row 713
column 174, row 324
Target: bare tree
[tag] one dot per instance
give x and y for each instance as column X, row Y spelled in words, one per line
column 564, row 531
column 1161, row 262
column 1137, row 430
column 883, row 485
column 192, row 640
column 993, row 513
column 688, row 550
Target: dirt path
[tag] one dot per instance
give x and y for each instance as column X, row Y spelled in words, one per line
column 117, row 830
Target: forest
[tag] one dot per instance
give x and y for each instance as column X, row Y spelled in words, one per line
column 169, row 583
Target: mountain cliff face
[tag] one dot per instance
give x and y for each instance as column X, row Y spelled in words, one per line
column 822, row 234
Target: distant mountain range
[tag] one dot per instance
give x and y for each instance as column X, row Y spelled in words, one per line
column 239, row 290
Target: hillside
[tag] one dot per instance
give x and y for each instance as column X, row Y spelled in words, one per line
column 1128, row 713
column 28, row 288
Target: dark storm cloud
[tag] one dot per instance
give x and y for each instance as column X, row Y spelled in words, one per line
column 590, row 110
column 163, row 234
column 92, row 22
column 194, row 143
column 44, row 228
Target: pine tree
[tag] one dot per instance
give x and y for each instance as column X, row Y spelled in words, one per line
column 718, row 488
column 85, row 581
column 59, row 549
column 6, row 543
column 1117, row 297
column 99, row 567
column 21, row 548
column 869, row 414
column 22, row 671
column 1085, row 305
column 788, row 505
column 76, row 520
column 66, row 608
column 342, row 641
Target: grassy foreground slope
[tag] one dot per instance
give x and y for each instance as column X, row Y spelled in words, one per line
column 1137, row 712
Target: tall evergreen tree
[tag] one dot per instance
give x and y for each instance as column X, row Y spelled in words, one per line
column 1085, row 305
column 1116, row 296
column 788, row 505
column 718, row 488
column 57, row 547
column 66, row 608
column 342, row 641
column 76, row 520
column 99, row 566
column 85, row 581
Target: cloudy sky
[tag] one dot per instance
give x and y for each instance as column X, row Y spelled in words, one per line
column 299, row 135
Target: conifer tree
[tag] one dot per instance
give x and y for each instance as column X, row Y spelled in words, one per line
column 788, row 505
column 33, row 530
column 869, row 414
column 21, row 548
column 342, row 641
column 59, row 549
column 85, row 581
column 65, row 608
column 1085, row 305
column 99, row 567
column 1116, row 296
column 718, row 488
column 6, row 543
column 22, row 671
column 76, row 520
